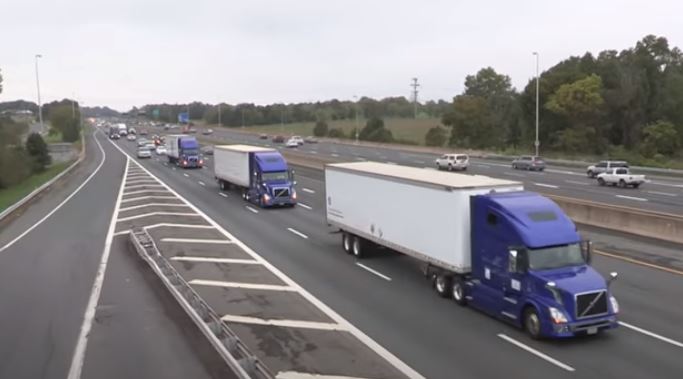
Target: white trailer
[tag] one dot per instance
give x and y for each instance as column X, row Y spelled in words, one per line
column 123, row 129
column 231, row 163
column 419, row 212
column 172, row 147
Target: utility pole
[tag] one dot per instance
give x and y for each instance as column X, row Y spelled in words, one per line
column 415, row 85
column 40, row 105
column 219, row 114
column 536, row 142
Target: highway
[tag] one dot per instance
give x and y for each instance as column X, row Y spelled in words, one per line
column 386, row 297
column 661, row 194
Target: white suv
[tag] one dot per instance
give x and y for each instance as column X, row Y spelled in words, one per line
column 452, row 162
column 299, row 141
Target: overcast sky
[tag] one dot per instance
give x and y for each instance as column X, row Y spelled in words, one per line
column 122, row 53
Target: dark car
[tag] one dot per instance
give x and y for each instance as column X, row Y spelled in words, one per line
column 207, row 132
column 279, row 139
column 310, row 139
column 263, row 136
column 529, row 162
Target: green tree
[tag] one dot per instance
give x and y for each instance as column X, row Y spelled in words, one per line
column 660, row 138
column 321, row 129
column 37, row 149
column 336, row 133
column 469, row 121
column 62, row 118
column 374, row 130
column 436, row 136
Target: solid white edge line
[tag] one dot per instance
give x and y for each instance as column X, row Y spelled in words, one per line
column 307, row 190
column 364, row 338
column 651, row 334
column 61, row 204
column 90, row 309
column 302, row 205
column 251, row 209
column 298, row 233
column 282, row 323
column 369, row 269
column 630, row 198
column 536, row 353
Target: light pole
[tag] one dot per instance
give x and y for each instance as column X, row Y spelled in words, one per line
column 357, row 126
column 219, row 114
column 40, row 105
column 536, row 142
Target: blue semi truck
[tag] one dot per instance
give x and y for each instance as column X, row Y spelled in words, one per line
column 261, row 174
column 183, row 150
column 483, row 242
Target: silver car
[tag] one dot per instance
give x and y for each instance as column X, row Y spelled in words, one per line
column 604, row 166
column 144, row 152
column 529, row 162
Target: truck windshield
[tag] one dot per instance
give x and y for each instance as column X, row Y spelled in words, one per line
column 555, row 257
column 275, row 176
column 191, row 151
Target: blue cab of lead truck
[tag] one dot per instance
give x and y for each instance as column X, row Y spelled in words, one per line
column 484, row 242
column 260, row 173
column 183, row 150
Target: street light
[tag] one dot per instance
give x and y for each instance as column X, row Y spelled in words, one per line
column 536, row 142
column 40, row 105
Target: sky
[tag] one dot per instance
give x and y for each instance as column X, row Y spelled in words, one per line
column 124, row 53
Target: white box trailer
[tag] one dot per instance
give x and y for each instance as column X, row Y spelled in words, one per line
column 231, row 163
column 418, row 212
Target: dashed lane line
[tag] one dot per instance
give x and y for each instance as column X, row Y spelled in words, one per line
column 222, row 194
column 252, row 210
column 302, row 205
column 186, row 175
column 201, row 183
column 537, row 353
column 631, row 198
column 662, row 193
column 369, row 269
column 546, row 185
column 283, row 323
column 651, row 334
column 307, row 190
column 298, row 233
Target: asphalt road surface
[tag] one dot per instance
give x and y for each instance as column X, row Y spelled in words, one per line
column 663, row 194
column 386, row 297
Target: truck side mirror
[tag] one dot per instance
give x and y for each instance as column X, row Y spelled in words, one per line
column 587, row 251
column 612, row 276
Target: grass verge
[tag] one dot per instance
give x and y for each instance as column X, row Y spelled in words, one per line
column 9, row 196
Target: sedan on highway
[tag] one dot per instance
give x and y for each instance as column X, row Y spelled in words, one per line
column 144, row 152
column 292, row 142
column 131, row 137
column 529, row 162
column 452, row 162
column 263, row 136
column 161, row 150
column 207, row 132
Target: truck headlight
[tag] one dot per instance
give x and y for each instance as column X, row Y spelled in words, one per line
column 557, row 315
column 615, row 304
column 293, row 195
column 266, row 197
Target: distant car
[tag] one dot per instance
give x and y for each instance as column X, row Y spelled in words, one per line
column 114, row 136
column 206, row 132
column 131, row 137
column 529, row 162
column 131, row 131
column 192, row 130
column 297, row 139
column 278, row 139
column 207, row 150
column 452, row 162
column 142, row 142
column 144, row 152
column 621, row 177
column 310, row 139
column 143, row 132
column 161, row 150
column 263, row 136
column 150, row 145
column 604, row 166
column 292, row 143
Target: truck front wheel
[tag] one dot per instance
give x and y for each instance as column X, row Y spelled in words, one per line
column 458, row 291
column 442, row 284
column 532, row 323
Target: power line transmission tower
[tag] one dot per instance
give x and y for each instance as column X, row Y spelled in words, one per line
column 415, row 91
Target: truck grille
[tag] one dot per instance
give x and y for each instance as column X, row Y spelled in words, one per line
column 591, row 304
column 281, row 192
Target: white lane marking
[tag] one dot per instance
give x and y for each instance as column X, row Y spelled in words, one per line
column 546, row 185
column 282, row 323
column 173, row 168
column 667, row 184
column 419, row 162
column 142, row 186
column 302, row 205
column 252, row 286
column 335, row 155
column 143, row 191
column 298, row 233
column 215, row 260
column 201, row 183
column 483, row 166
column 151, row 205
column 185, row 175
column 631, row 198
column 305, row 375
column 353, row 330
column 307, row 190
column 196, row 240
column 651, row 334
column 537, row 353
column 165, row 163
column 313, row 152
column 662, row 193
column 90, row 310
column 390, row 162
column 514, row 174
column 157, row 214
column 171, row 225
column 55, row 209
column 373, row 271
column 575, row 182
column 123, row 232
column 148, row 198
column 252, row 210
column 222, row 194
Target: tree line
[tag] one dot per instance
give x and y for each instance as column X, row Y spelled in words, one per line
column 615, row 103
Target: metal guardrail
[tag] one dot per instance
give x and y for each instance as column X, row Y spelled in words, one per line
column 237, row 356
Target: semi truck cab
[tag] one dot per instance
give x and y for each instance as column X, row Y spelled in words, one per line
column 272, row 183
column 531, row 268
column 188, row 153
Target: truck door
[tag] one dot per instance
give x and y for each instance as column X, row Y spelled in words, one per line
column 512, row 283
column 489, row 263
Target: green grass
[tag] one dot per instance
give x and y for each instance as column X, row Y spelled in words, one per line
column 9, row 196
column 53, row 138
column 402, row 128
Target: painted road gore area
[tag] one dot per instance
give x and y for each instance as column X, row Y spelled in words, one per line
column 291, row 331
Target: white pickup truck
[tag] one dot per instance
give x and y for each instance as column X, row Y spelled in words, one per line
column 620, row 177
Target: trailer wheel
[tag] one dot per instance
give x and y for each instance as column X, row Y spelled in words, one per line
column 442, row 284
column 221, row 184
column 346, row 242
column 458, row 291
column 357, row 248
column 532, row 323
